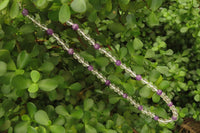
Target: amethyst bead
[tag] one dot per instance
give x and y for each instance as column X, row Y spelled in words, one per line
column 90, row 68
column 96, row 46
column 107, row 82
column 118, row 62
column 125, row 95
column 25, row 12
column 49, row 31
column 75, row 26
column 174, row 118
column 159, row 92
column 140, row 108
column 70, row 51
column 170, row 104
column 138, row 77
column 156, row 118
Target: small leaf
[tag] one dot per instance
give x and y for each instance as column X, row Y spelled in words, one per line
column 150, row 54
column 23, row 59
column 60, row 109
column 3, row 68
column 76, row 86
column 47, row 67
column 88, row 103
column 57, row 129
column 3, row 4
column 153, row 20
column 145, row 92
column 78, row 6
column 113, row 99
column 2, row 112
column 163, row 69
column 20, row 82
column 184, row 29
column 154, row 75
column 21, row 127
column 42, row 118
column 155, row 4
column 41, row 3
column 64, row 13
column 31, row 108
column 116, row 27
column 33, row 88
column 160, row 112
column 145, row 129
column 35, row 76
column 197, row 98
column 137, row 44
column 32, row 129
column 155, row 98
column 90, row 129
column 48, row 84
column 78, row 114
column 123, row 52
column 164, row 85
column 102, row 61
column 87, row 56
column 14, row 10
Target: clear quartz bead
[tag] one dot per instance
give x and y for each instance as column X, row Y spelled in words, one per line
column 91, row 41
column 122, row 66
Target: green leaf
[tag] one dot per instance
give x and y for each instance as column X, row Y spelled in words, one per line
column 145, row 92
column 164, row 85
column 197, row 98
column 59, row 121
column 160, row 112
column 33, row 88
column 76, row 86
column 154, row 75
column 32, row 129
column 23, row 59
column 150, row 54
column 57, row 129
column 153, row 20
column 145, row 129
column 42, row 118
column 27, row 29
column 2, row 111
column 35, row 76
column 90, row 129
column 14, row 10
column 3, row 4
column 64, row 13
column 137, row 44
column 116, row 27
column 102, row 61
column 155, row 98
column 163, row 69
column 77, row 114
column 113, row 99
column 48, row 84
column 60, row 109
column 3, row 68
column 129, row 88
column 184, row 29
column 123, row 52
column 31, row 108
column 78, row 6
column 155, row 4
column 139, row 59
column 41, row 3
column 87, row 56
column 20, row 82
column 21, row 127
column 47, row 66
column 88, row 103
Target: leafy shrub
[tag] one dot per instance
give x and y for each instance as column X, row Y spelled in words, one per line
column 44, row 90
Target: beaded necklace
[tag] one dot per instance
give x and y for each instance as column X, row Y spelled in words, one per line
column 100, row 76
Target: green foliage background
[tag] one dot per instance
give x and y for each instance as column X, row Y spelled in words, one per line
column 43, row 89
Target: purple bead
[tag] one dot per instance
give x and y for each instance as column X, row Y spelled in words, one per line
column 140, row 107
column 75, row 26
column 138, row 77
column 107, row 82
column 25, row 12
column 170, row 104
column 118, row 62
column 49, row 31
column 174, row 118
column 70, row 51
column 125, row 95
column 90, row 68
column 156, row 118
column 159, row 92
column 96, row 46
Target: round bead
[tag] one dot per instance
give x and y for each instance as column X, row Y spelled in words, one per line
column 125, row 95
column 156, row 118
column 107, row 82
column 170, row 104
column 25, row 12
column 174, row 118
column 159, row 92
column 118, row 62
column 75, row 26
column 90, row 68
column 140, row 108
column 138, row 77
column 70, row 51
column 96, row 46
column 49, row 31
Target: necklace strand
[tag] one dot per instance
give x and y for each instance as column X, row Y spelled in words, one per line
column 101, row 76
